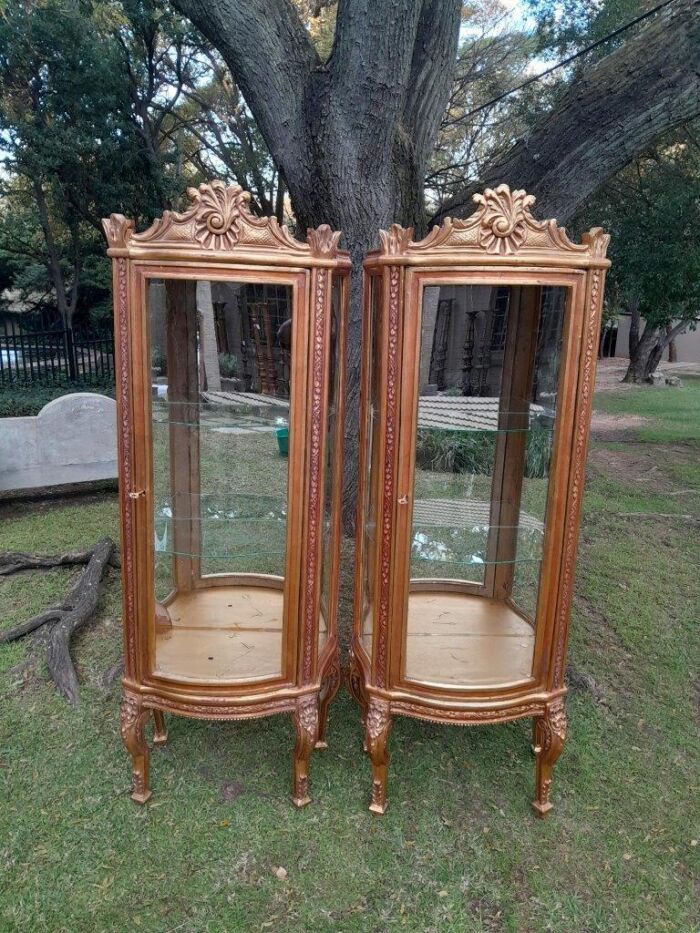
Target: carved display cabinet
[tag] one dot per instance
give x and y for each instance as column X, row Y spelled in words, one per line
column 229, row 336
column 480, row 346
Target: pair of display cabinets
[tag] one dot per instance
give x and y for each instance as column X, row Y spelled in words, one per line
column 479, row 352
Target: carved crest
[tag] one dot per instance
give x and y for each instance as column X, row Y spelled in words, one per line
column 218, row 211
column 219, row 221
column 503, row 219
column 502, row 225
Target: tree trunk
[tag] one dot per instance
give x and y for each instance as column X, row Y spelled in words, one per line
column 647, row 351
column 672, row 348
column 352, row 135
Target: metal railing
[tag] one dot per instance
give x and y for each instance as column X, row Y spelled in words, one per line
column 52, row 357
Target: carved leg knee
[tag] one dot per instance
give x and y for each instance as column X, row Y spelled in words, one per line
column 329, row 689
column 378, row 727
column 133, row 720
column 357, row 689
column 160, row 731
column 550, row 732
column 306, row 725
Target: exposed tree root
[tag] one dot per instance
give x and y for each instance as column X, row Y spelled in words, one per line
column 75, row 611
column 16, row 561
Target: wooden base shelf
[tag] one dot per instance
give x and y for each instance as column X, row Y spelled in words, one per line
column 223, row 633
column 457, row 639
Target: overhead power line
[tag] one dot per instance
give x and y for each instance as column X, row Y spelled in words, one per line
column 571, row 58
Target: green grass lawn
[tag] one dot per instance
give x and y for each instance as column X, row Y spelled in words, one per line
column 459, row 849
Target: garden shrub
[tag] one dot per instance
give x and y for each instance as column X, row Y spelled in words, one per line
column 21, row 400
column 473, row 451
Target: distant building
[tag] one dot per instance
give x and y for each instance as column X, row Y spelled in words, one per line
column 616, row 342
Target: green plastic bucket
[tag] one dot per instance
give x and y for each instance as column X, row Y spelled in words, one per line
column 283, row 441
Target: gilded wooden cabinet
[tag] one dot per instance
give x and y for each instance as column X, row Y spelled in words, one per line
column 230, row 372
column 480, row 346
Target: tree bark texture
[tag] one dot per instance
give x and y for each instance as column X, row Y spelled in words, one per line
column 643, row 88
column 352, row 135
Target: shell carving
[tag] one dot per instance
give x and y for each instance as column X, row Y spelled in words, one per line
column 218, row 214
column 503, row 219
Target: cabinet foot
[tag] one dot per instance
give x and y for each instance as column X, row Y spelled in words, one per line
column 160, row 730
column 378, row 726
column 133, row 719
column 329, row 688
column 549, row 735
column 306, row 721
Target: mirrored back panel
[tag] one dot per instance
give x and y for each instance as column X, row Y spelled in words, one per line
column 221, row 377
column 488, row 373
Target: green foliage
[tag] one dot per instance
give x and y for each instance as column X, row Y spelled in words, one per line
column 566, row 26
column 21, row 400
column 107, row 107
column 158, row 362
column 652, row 211
column 473, row 451
column 228, row 365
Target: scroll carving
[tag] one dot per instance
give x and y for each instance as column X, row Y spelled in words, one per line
column 578, row 467
column 503, row 219
column 219, row 220
column 502, row 225
column 218, row 211
column 118, row 230
column 128, row 714
column 307, row 715
column 396, row 240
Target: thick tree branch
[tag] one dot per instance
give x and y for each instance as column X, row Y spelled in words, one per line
column 645, row 87
column 432, row 68
column 271, row 57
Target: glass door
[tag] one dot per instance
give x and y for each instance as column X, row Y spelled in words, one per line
column 221, row 393
column 487, row 374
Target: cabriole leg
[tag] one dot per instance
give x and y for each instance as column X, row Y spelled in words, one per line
column 306, row 725
column 133, row 720
column 550, row 732
column 357, row 689
column 160, row 730
column 378, row 726
column 329, row 688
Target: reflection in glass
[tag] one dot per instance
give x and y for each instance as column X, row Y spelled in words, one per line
column 488, row 373
column 220, row 355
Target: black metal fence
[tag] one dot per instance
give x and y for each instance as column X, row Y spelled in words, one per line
column 53, row 357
